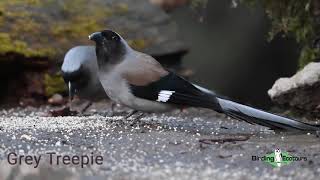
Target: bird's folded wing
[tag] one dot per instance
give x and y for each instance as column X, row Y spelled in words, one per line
column 174, row 89
column 141, row 69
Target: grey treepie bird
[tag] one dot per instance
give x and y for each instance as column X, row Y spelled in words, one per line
column 80, row 72
column 139, row 81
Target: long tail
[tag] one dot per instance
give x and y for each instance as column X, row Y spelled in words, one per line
column 263, row 118
column 256, row 116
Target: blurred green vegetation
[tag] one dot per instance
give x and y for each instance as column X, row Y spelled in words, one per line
column 198, row 3
column 54, row 84
column 294, row 19
column 8, row 45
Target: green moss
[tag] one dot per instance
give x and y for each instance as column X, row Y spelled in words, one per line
column 294, row 19
column 77, row 27
column 121, row 8
column 137, row 44
column 20, row 2
column 195, row 4
column 78, row 22
column 54, row 84
column 8, row 45
column 19, row 22
column 308, row 54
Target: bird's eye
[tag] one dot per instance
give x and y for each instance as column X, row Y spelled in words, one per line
column 114, row 37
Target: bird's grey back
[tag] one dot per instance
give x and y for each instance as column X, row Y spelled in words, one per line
column 77, row 56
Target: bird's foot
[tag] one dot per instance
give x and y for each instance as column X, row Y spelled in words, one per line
column 130, row 114
column 85, row 108
column 107, row 114
column 136, row 119
column 112, row 111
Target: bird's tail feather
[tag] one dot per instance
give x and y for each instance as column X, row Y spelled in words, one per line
column 256, row 116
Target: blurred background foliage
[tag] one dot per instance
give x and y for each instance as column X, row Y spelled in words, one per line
column 294, row 18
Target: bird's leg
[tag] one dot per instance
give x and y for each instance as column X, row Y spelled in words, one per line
column 137, row 119
column 111, row 112
column 131, row 114
column 89, row 103
column 113, row 104
column 139, row 116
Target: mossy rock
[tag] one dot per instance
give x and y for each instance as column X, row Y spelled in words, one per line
column 48, row 28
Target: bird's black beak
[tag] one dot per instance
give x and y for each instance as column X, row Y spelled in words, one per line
column 95, row 36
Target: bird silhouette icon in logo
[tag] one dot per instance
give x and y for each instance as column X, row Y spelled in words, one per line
column 278, row 157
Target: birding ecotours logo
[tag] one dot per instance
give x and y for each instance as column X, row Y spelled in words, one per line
column 279, row 158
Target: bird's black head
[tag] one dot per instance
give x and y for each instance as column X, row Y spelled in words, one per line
column 109, row 47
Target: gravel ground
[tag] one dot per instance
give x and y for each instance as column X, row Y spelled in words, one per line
column 192, row 144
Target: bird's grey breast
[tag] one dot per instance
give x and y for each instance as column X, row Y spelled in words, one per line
column 114, row 86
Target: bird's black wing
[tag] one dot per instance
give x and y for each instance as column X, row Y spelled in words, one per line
column 174, row 89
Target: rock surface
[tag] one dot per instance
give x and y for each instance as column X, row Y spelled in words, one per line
column 56, row 99
column 169, row 5
column 301, row 91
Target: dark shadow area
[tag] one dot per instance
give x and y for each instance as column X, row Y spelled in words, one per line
column 230, row 54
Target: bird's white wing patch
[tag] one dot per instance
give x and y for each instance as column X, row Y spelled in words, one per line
column 164, row 95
